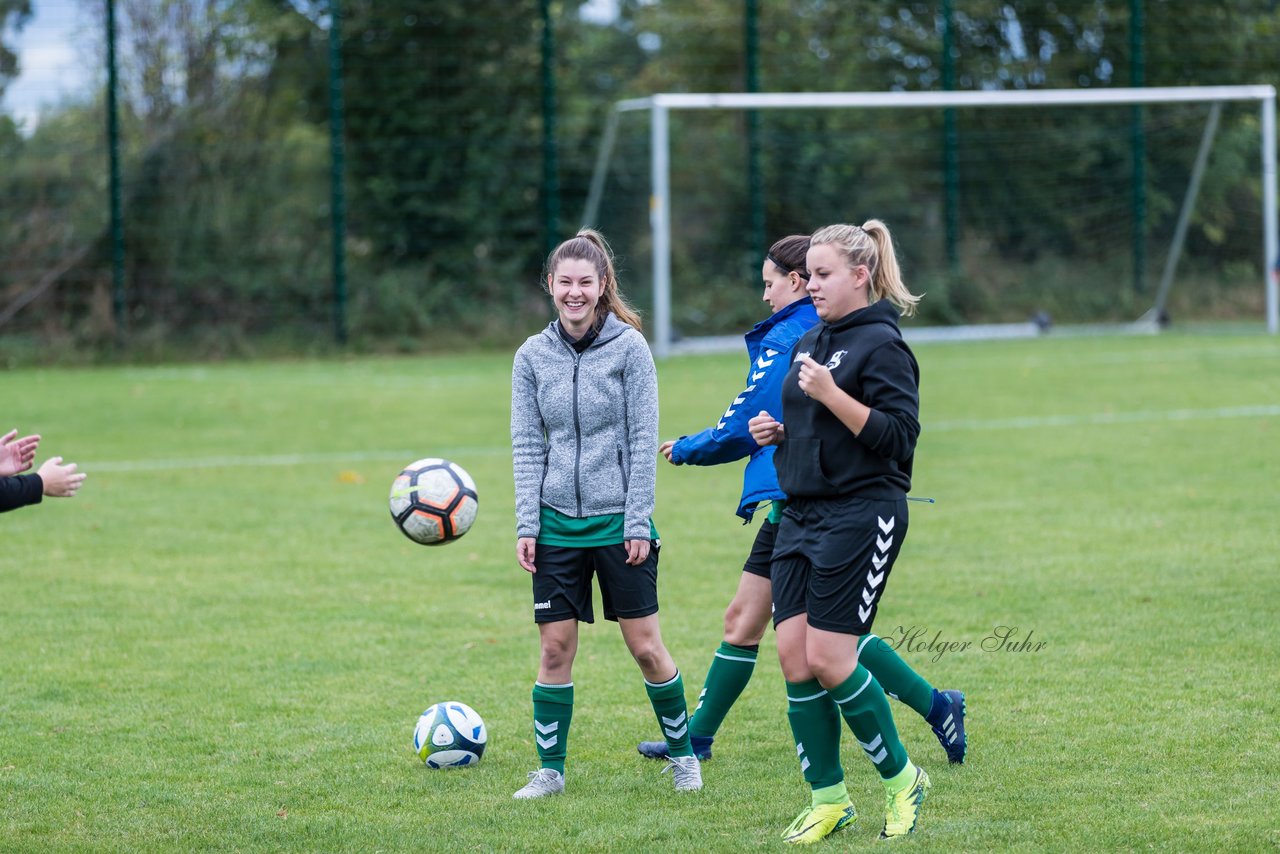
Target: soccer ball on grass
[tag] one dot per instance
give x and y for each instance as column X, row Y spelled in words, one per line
column 450, row 735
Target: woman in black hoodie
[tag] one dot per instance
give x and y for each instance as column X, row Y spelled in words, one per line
column 850, row 404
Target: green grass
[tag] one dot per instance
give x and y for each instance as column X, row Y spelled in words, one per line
column 223, row 644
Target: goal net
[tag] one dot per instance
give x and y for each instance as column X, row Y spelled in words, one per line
column 1014, row 212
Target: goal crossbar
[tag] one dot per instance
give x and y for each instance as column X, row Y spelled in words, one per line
column 660, row 105
column 992, row 98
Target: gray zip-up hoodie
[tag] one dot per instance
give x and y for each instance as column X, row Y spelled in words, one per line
column 584, row 428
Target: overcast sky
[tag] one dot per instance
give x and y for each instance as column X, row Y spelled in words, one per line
column 51, row 52
column 55, row 49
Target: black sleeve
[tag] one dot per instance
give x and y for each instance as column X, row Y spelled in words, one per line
column 20, row 491
column 890, row 383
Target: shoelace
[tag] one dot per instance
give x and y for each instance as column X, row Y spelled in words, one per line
column 891, row 803
column 891, row 808
column 540, row 776
column 677, row 769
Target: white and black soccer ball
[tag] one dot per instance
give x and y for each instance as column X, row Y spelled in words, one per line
column 450, row 735
column 434, row 501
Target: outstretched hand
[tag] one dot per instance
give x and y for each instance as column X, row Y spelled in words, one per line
column 665, row 450
column 60, row 481
column 766, row 429
column 17, row 455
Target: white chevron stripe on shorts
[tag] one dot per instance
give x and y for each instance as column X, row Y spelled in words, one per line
column 878, row 560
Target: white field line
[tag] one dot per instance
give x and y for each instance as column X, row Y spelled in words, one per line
column 1027, row 423
column 1104, row 418
column 251, row 461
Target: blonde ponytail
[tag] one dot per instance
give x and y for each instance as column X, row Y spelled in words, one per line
column 871, row 245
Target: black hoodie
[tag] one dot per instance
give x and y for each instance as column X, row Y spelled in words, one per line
column 820, row 457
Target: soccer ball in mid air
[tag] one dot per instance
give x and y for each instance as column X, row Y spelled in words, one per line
column 433, row 501
column 450, row 735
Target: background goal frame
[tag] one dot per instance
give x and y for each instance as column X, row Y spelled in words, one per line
column 659, row 107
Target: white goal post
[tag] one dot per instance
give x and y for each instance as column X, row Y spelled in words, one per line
column 659, row 108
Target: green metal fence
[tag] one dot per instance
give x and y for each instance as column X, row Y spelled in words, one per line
column 311, row 176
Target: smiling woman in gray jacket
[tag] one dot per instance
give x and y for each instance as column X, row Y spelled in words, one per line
column 584, row 442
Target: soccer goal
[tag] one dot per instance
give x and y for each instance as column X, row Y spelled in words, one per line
column 1036, row 192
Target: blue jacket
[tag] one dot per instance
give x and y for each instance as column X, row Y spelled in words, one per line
column 768, row 344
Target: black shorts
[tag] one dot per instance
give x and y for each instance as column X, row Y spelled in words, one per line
column 562, row 584
column 832, row 558
column 760, row 561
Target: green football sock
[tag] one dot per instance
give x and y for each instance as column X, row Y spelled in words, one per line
column 894, row 675
column 729, row 673
column 673, row 715
column 866, row 711
column 552, row 711
column 901, row 780
column 836, row 794
column 815, row 724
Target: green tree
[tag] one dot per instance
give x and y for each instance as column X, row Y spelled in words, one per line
column 443, row 131
column 14, row 14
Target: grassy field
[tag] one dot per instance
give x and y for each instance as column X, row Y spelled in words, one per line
column 223, row 644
